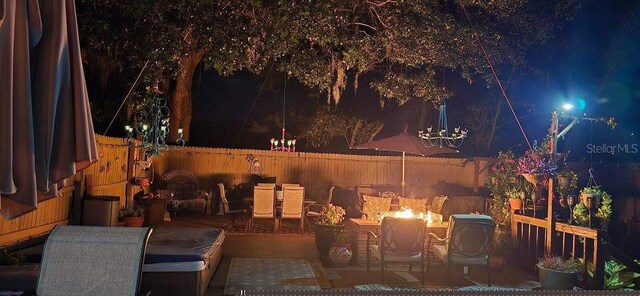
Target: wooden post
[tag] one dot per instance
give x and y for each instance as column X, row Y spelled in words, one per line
column 77, row 200
column 598, row 261
column 131, row 165
column 551, row 220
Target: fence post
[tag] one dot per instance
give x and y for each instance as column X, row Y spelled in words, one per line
column 131, row 164
column 551, row 220
column 598, row 260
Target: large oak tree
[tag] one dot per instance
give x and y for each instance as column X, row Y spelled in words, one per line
column 323, row 44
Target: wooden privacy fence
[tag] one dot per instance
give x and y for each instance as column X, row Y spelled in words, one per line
column 107, row 176
column 111, row 174
column 318, row 172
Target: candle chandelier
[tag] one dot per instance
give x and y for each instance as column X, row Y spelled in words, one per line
column 153, row 126
column 283, row 144
column 441, row 136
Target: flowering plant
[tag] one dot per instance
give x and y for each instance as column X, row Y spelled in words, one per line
column 503, row 182
column 535, row 162
column 331, row 215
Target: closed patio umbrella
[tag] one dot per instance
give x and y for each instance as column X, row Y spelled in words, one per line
column 46, row 132
column 406, row 144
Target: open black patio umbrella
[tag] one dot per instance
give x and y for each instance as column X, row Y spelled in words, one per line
column 46, row 131
column 406, row 144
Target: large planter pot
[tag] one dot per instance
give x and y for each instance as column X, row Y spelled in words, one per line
column 133, row 221
column 556, row 280
column 324, row 235
column 340, row 254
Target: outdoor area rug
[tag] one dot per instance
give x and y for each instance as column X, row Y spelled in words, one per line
column 270, row 274
column 362, row 279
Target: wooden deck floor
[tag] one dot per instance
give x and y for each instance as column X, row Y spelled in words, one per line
column 289, row 243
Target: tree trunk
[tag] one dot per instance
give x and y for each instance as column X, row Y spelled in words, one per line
column 422, row 121
column 494, row 125
column 181, row 98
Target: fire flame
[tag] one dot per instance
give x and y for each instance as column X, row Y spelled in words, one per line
column 408, row 213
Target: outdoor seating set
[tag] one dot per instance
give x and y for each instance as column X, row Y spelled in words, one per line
column 373, row 200
column 268, row 202
column 402, row 240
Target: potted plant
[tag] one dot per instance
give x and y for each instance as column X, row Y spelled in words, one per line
column 567, row 184
column 537, row 164
column 555, row 273
column 516, row 199
column 340, row 251
column 590, row 194
column 567, row 179
column 594, row 202
column 502, row 175
column 133, row 216
column 328, row 225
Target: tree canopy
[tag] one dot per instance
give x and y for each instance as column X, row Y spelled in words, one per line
column 399, row 44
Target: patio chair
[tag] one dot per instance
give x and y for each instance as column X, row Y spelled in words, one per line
column 467, row 243
column 183, row 187
column 293, row 204
column 263, row 205
column 226, row 208
column 93, row 260
column 314, row 211
column 401, row 240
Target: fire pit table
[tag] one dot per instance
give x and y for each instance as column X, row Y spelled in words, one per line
column 358, row 229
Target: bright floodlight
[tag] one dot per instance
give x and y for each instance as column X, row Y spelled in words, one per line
column 567, row 106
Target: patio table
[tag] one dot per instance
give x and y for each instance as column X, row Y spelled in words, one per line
column 358, row 229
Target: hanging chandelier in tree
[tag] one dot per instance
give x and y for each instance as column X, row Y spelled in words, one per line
column 441, row 136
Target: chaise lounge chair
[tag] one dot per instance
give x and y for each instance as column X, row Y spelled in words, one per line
column 92, row 260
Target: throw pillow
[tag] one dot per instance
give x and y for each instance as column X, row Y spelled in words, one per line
column 388, row 194
column 418, row 205
column 438, row 203
column 374, row 206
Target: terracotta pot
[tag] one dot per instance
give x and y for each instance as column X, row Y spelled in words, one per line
column 515, row 203
column 133, row 221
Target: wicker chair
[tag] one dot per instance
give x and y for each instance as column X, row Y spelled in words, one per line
column 183, row 187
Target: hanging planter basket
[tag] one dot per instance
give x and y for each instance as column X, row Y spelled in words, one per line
column 563, row 181
column 590, row 200
column 535, row 179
